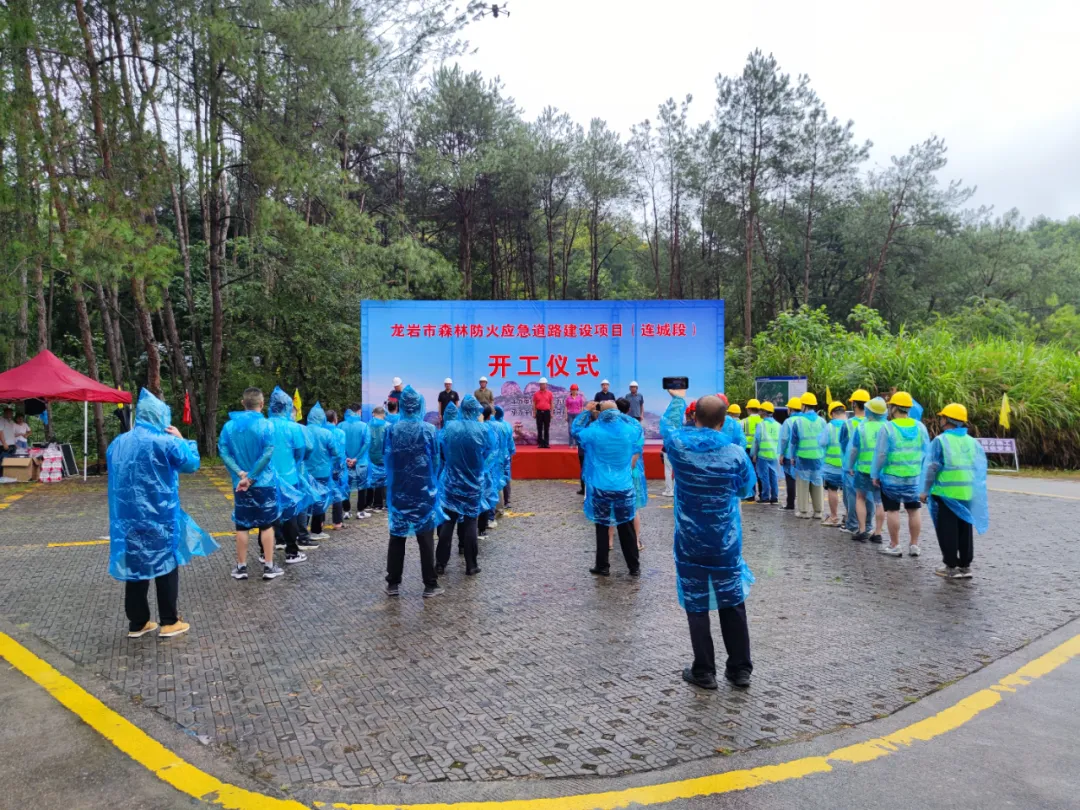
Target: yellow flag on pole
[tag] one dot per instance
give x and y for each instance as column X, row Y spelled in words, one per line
column 297, row 405
column 828, row 397
column 1006, row 409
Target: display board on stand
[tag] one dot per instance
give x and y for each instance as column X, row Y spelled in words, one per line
column 515, row 343
column 778, row 390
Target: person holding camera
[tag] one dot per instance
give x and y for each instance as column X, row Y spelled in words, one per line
column 712, row 475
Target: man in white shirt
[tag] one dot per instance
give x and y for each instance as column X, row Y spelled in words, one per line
column 7, row 430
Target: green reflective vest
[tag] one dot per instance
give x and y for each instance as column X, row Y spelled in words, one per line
column 810, row 439
column 749, row 425
column 868, row 436
column 833, row 453
column 904, row 459
column 956, row 478
column 769, row 442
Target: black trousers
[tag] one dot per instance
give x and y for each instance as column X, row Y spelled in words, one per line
column 790, row 490
column 506, row 494
column 375, row 498
column 736, row 635
column 543, row 428
column 337, row 513
column 288, row 532
column 581, row 464
column 956, row 537
column 395, row 558
column 627, row 541
column 482, row 522
column 466, row 531
column 317, row 519
column 301, row 522
column 137, row 605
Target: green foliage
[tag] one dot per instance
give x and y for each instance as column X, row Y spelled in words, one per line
column 937, row 366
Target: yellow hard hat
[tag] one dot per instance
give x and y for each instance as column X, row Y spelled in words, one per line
column 876, row 405
column 768, row 407
column 837, row 405
column 860, row 395
column 809, row 399
column 734, row 409
column 794, row 404
column 902, row 399
column 753, row 404
column 955, row 411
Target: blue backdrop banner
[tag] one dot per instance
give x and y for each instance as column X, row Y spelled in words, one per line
column 515, row 343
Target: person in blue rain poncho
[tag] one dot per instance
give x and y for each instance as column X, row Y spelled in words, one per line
column 611, row 447
column 393, row 411
column 794, row 407
column 807, row 459
column 954, row 485
column 509, row 450
column 897, row 467
column 376, row 500
column 150, row 535
column 322, row 464
column 732, row 427
column 466, row 444
column 357, row 446
column 411, row 459
column 290, row 447
column 834, row 444
column 765, row 453
column 712, row 476
column 858, row 465
column 246, row 447
column 340, row 478
column 493, row 476
column 858, row 400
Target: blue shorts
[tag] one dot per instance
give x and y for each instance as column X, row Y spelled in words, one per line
column 255, row 508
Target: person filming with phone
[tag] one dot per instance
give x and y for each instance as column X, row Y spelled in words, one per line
column 712, row 475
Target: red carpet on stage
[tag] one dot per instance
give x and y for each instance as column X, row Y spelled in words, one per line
column 561, row 462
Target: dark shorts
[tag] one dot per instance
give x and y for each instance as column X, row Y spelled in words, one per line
column 249, row 528
column 255, row 508
column 832, row 487
column 889, row 505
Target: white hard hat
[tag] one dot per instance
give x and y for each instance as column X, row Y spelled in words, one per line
column 543, row 380
column 397, row 380
column 605, row 382
column 448, row 381
column 483, row 379
column 633, row 384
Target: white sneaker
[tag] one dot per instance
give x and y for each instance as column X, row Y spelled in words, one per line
column 817, row 515
column 363, row 515
column 493, row 525
column 347, row 516
column 892, row 551
column 320, row 536
column 965, row 573
column 914, row 551
column 666, row 494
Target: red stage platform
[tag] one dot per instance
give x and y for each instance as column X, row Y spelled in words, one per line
column 561, row 462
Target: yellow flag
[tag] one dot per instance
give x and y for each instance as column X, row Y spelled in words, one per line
column 297, row 405
column 1006, row 409
column 828, row 397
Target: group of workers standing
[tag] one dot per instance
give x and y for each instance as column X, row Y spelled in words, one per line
column 878, row 460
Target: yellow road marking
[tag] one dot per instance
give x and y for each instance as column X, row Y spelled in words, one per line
column 171, row 768
column 510, row 514
column 13, row 498
column 1036, row 494
column 79, row 543
column 4, row 505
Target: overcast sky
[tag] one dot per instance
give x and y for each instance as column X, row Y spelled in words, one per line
column 998, row 80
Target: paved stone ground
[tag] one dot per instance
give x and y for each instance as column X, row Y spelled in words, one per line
column 533, row 669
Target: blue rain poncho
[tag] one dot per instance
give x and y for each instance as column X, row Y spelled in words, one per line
column 290, row 447
column 246, row 444
column 732, row 428
column 411, row 460
column 393, row 418
column 964, row 462
column 323, row 461
column 711, row 477
column 509, row 447
column 493, row 468
column 785, row 438
column 340, row 477
column 901, row 448
column 641, row 486
column 450, row 413
column 806, row 468
column 357, row 444
column 609, row 444
column 149, row 534
column 318, row 491
column 465, row 444
column 834, row 444
column 861, row 479
column 376, row 470
column 762, row 465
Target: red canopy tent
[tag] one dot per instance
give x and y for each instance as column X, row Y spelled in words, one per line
column 48, row 377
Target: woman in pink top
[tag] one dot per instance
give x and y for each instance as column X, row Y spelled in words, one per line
column 575, row 404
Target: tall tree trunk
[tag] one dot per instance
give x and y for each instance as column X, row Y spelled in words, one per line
column 494, row 258
column 112, row 349
column 465, row 256
column 749, row 306
column 42, row 309
column 146, row 332
column 180, row 366
column 550, row 256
